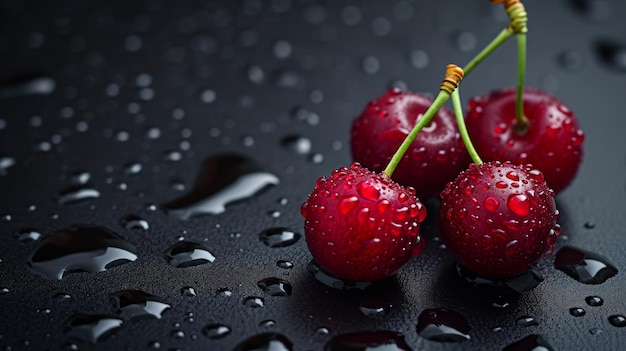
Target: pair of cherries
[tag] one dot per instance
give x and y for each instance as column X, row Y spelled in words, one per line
column 498, row 218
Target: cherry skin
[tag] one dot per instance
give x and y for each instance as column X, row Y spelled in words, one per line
column 498, row 219
column 435, row 157
column 360, row 225
column 553, row 142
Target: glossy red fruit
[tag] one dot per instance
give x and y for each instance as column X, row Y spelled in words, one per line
column 498, row 219
column 436, row 156
column 553, row 143
column 360, row 225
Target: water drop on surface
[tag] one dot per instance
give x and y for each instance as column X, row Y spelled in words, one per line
column 382, row 340
column 28, row 235
column 284, row 264
column 441, row 324
column 77, row 194
column 617, row 320
column 5, row 163
column 279, row 237
column 275, row 287
column 577, row 312
column 137, row 304
column 596, row 331
column 320, row 275
column 612, row 54
column 519, row 284
column 533, row 342
column 91, row 249
column 254, row 302
column 216, row 331
column 526, row 321
column 188, row 291
column 594, row 301
column 375, row 307
column 30, row 86
column 135, row 222
column 91, row 328
column 223, row 180
column 265, row 342
column 298, row 144
column 584, row 266
column 188, row 254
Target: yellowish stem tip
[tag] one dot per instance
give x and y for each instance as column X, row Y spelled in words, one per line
column 453, row 76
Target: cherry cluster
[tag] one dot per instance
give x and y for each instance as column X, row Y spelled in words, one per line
column 498, row 217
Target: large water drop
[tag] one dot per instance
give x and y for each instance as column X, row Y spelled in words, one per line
column 92, row 328
column 137, row 304
column 441, row 324
column 584, row 266
column 187, row 254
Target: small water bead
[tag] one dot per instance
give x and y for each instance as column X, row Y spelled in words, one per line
column 589, row 225
column 584, row 266
column 90, row 249
column 375, row 307
column 382, row 340
column 596, row 331
column 371, row 65
column 594, row 301
column 75, row 194
column 134, row 222
column 4, row 290
column 296, row 143
column 441, row 324
column 533, row 342
column 275, row 287
column 316, row 158
column 526, row 321
column 381, row 26
column 137, row 304
column 256, row 74
column 284, row 264
column 303, row 114
column 154, row 345
column 265, row 342
column 177, row 334
column 5, row 163
column 612, row 54
column 577, row 312
column 225, row 292
column 40, row 85
column 92, row 328
column 216, row 330
column 28, row 235
column 188, row 254
column 617, row 320
column 466, row 41
column 268, row 323
column 279, row 237
column 254, row 302
column 188, row 291
column 282, row 49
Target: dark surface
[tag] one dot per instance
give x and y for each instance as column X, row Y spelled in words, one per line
column 98, row 120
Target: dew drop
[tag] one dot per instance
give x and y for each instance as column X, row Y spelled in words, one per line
column 137, row 304
column 216, row 331
column 188, row 291
column 584, row 266
column 28, row 235
column 491, row 203
column 268, row 323
column 92, row 328
column 526, row 321
column 275, row 287
column 533, row 342
column 589, row 225
column 375, row 307
column 254, row 302
column 284, row 264
column 279, row 237
column 441, row 324
column 519, row 204
column 133, row 222
column 617, row 320
column 382, row 340
column 594, row 301
column 5, row 163
column 368, row 191
column 91, row 249
column 224, row 179
column 298, row 144
column 596, row 331
column 265, row 342
column 188, row 254
column 77, row 194
column 577, row 311
column 29, row 86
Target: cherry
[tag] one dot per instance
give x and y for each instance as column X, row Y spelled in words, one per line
column 552, row 142
column 361, row 225
column 435, row 157
column 498, row 219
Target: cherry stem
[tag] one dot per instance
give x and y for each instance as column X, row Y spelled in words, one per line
column 522, row 123
column 450, row 83
column 460, row 121
column 505, row 34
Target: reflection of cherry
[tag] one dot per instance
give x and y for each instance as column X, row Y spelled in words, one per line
column 435, row 157
column 552, row 142
column 498, row 219
column 361, row 225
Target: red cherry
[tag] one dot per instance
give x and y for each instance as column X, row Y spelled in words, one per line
column 435, row 157
column 360, row 225
column 553, row 142
column 498, row 219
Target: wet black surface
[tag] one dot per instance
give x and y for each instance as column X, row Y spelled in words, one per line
column 108, row 111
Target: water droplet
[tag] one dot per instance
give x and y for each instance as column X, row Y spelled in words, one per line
column 584, row 266
column 612, row 54
column 526, row 321
column 419, row 59
column 371, row 65
column 303, row 114
column 268, row 323
column 441, row 324
column 279, row 237
column 466, row 41
column 333, row 282
column 254, row 302
column 284, row 264
column 74, row 194
column 596, row 331
column 519, row 284
column 382, row 340
column 188, row 291
column 4, row 290
column 519, row 204
column 589, row 225
column 265, row 342
column 92, row 328
column 137, row 304
column 177, row 334
column 91, row 249
column 188, row 254
column 216, row 331
column 223, row 180
column 298, row 144
column 135, row 222
column 594, row 301
column 491, row 203
column 275, row 287
column 533, row 342
column 27, row 86
column 577, row 311
column 5, row 163
column 375, row 307
column 617, row 320
column 368, row 191
column 28, row 235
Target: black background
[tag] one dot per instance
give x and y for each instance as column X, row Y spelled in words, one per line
column 92, row 49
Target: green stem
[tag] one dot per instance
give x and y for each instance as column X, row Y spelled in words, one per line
column 505, row 34
column 460, row 121
column 522, row 121
column 439, row 101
